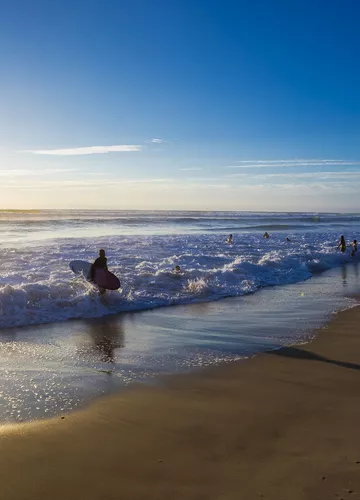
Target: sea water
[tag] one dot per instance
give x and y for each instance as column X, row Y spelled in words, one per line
column 49, row 366
column 37, row 285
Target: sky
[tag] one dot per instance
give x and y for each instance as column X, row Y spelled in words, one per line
column 180, row 104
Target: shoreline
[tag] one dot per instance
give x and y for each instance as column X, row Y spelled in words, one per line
column 283, row 424
column 53, row 369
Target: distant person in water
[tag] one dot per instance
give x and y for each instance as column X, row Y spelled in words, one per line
column 354, row 250
column 287, row 238
column 101, row 263
column 342, row 244
column 266, row 235
column 177, row 269
column 230, row 239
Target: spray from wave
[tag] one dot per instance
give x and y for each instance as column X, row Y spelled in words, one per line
column 37, row 286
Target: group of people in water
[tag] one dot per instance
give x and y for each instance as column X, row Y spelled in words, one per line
column 341, row 246
column 229, row 239
column 101, row 261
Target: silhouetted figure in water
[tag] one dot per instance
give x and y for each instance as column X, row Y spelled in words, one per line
column 266, row 235
column 354, row 250
column 177, row 269
column 342, row 244
column 288, row 239
column 100, row 263
column 230, row 239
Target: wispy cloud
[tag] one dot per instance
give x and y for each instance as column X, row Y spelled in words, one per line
column 90, row 183
column 295, row 188
column 145, row 181
column 313, row 175
column 296, row 160
column 156, row 141
column 28, row 172
column 191, row 169
column 292, row 163
column 89, row 150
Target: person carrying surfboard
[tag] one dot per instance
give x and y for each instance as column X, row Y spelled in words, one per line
column 100, row 262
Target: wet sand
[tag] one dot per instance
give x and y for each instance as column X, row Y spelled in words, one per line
column 282, row 425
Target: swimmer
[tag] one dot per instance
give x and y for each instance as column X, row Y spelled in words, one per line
column 177, row 269
column 230, row 239
column 287, row 238
column 342, row 244
column 100, row 262
column 354, row 250
column 266, row 235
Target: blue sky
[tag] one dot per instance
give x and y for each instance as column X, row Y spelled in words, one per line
column 180, row 104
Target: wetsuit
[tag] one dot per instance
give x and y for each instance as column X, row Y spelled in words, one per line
column 354, row 249
column 100, row 262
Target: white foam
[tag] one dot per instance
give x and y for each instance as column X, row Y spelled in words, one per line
column 37, row 286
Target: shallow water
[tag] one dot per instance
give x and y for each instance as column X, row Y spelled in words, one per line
column 278, row 292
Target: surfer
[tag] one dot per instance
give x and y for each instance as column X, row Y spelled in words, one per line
column 266, row 235
column 354, row 250
column 230, row 239
column 342, row 244
column 100, row 262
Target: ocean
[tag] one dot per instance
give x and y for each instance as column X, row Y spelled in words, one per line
column 159, row 322
column 37, row 286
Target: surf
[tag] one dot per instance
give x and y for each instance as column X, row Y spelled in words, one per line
column 37, row 285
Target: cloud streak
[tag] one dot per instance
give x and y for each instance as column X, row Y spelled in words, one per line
column 316, row 175
column 91, row 184
column 89, row 150
column 292, row 163
column 156, row 141
column 25, row 173
column 191, row 169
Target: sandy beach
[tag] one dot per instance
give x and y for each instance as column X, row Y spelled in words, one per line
column 179, row 237
column 281, row 425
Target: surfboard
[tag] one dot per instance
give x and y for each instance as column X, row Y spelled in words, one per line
column 106, row 279
column 102, row 278
column 81, row 267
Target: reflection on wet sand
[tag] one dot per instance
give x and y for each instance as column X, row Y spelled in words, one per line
column 356, row 268
column 344, row 275
column 355, row 276
column 106, row 336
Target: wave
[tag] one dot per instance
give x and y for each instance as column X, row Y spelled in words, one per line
column 167, row 222
column 38, row 286
column 260, row 227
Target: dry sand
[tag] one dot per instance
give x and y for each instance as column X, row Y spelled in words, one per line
column 283, row 425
